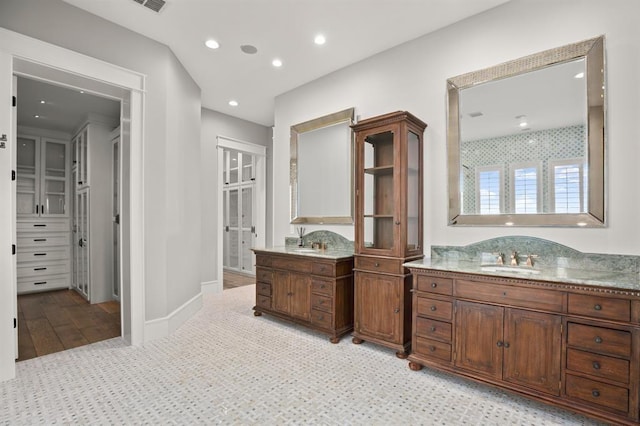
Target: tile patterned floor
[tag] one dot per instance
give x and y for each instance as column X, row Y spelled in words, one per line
column 225, row 366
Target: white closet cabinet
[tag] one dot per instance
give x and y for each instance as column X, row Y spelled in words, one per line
column 92, row 220
column 42, row 213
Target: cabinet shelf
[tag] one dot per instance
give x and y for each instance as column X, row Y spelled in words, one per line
column 379, row 216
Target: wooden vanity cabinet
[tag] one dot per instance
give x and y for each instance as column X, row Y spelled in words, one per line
column 388, row 226
column 574, row 346
column 312, row 291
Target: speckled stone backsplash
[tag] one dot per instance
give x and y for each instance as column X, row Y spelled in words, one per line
column 333, row 240
column 549, row 254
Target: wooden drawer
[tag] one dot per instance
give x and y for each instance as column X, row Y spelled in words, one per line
column 598, row 365
column 377, row 264
column 598, row 393
column 35, row 225
column 509, row 295
column 44, row 269
column 323, row 303
column 325, row 269
column 34, row 284
column 432, row 349
column 292, row 264
column 599, row 339
column 262, row 260
column 42, row 255
column 438, row 309
column 322, row 286
column 263, row 289
column 600, row 307
column 321, row 318
column 264, row 275
column 433, row 329
column 436, row 285
column 44, row 240
column 263, row 301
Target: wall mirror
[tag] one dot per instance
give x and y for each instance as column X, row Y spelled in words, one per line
column 525, row 140
column 321, row 169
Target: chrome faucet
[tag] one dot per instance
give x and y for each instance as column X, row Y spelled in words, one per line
column 530, row 258
column 499, row 258
column 514, row 258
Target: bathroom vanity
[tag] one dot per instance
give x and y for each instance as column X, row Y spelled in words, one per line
column 567, row 337
column 310, row 287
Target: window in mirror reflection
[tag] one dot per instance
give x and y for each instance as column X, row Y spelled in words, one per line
column 569, row 186
column 489, row 190
column 526, row 190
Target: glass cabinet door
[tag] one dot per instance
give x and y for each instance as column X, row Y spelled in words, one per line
column 414, row 204
column 53, row 197
column 27, row 188
column 378, row 198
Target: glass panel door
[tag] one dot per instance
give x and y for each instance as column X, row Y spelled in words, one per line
column 414, row 208
column 27, row 188
column 54, row 188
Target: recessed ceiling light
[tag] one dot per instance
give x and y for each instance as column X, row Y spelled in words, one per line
column 276, row 63
column 579, row 75
column 523, row 124
column 82, row 91
column 36, row 116
column 320, row 40
column 212, row 44
column 42, row 102
column 233, row 103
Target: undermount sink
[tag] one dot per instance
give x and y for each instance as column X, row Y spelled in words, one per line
column 510, row 269
column 305, row 250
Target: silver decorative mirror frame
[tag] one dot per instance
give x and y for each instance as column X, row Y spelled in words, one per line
column 341, row 175
column 592, row 51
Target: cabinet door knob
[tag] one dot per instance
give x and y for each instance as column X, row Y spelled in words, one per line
column 499, row 344
column 432, row 348
column 396, row 310
column 376, row 264
column 433, row 328
column 434, row 285
column 597, row 307
column 595, row 393
column 506, row 344
column 596, row 365
column 598, row 339
column 397, row 222
column 433, row 308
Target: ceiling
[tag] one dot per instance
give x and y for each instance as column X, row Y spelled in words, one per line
column 283, row 29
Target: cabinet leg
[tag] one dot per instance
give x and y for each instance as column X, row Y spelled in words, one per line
column 357, row 341
column 415, row 366
column 402, row 355
column 334, row 340
column 257, row 313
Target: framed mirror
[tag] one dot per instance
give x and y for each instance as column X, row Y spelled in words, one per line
column 321, row 169
column 525, row 140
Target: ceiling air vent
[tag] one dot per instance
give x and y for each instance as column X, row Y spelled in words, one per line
column 155, row 5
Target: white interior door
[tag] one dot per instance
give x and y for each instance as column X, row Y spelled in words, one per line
column 81, row 242
column 116, row 217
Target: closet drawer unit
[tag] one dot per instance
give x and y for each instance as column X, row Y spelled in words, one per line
column 598, row 365
column 321, row 318
column 263, row 289
column 599, row 339
column 435, row 285
column 377, row 264
column 44, row 269
column 263, row 301
column 49, row 225
column 510, row 295
column 44, row 240
column 321, row 286
column 433, row 349
column 43, row 254
column 598, row 393
column 432, row 308
column 324, row 269
column 433, row 329
column 32, row 285
column 600, row 307
column 264, row 275
column 292, row 264
column 322, row 303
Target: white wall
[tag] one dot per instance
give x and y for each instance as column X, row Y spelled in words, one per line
column 412, row 77
column 216, row 124
column 171, row 139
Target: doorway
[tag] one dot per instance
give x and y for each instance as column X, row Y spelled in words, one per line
column 64, row 234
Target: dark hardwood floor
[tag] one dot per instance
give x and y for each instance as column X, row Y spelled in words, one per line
column 234, row 279
column 57, row 320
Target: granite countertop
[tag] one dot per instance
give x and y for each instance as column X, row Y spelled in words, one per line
column 329, row 253
column 611, row 279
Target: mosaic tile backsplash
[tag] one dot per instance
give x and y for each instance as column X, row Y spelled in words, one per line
column 549, row 254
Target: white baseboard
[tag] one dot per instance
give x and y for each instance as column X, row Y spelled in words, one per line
column 211, row 287
column 162, row 327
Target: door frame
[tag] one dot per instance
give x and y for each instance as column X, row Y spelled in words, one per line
column 260, row 153
column 23, row 55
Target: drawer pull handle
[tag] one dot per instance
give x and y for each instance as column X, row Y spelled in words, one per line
column 39, row 269
column 396, row 310
column 595, row 393
column 598, row 339
column 597, row 307
column 40, row 283
column 322, row 286
column 596, row 365
column 434, row 285
column 433, row 308
column 39, row 240
column 432, row 348
column 40, row 225
column 376, row 264
column 39, row 254
column 322, row 302
column 433, row 328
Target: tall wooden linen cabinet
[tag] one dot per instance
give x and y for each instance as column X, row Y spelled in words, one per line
column 388, row 227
